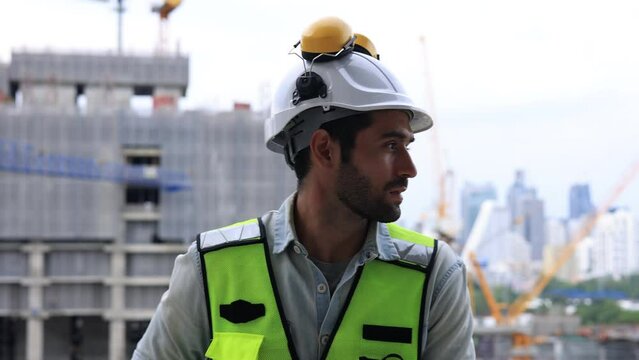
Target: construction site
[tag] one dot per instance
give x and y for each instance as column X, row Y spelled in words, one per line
column 96, row 203
column 97, row 200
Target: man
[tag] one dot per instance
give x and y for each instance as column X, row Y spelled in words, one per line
column 325, row 276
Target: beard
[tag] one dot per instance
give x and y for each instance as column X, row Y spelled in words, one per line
column 355, row 190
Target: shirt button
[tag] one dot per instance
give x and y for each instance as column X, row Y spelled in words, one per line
column 321, row 288
column 297, row 249
column 324, row 339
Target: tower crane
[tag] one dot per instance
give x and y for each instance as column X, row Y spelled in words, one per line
column 520, row 304
column 120, row 10
column 164, row 10
column 444, row 224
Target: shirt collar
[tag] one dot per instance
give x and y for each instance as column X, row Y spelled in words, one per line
column 284, row 227
column 377, row 244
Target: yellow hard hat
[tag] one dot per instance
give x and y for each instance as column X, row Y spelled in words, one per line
column 364, row 45
column 328, row 35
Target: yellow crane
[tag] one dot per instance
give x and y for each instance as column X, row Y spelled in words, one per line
column 444, row 223
column 520, row 304
column 493, row 307
column 164, row 10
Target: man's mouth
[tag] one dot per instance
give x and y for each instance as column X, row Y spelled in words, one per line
column 396, row 193
column 398, row 185
column 398, row 190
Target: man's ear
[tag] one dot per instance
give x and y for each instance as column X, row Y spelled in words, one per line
column 324, row 150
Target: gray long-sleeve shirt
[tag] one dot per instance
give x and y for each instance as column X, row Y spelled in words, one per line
column 179, row 328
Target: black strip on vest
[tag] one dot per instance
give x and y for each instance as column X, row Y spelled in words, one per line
column 276, row 293
column 407, row 265
column 342, row 312
column 387, row 357
column 241, row 311
column 422, row 309
column 387, row 333
column 206, row 286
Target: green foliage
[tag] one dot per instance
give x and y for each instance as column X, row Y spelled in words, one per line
column 600, row 312
column 595, row 312
column 502, row 295
column 606, row 312
column 481, row 307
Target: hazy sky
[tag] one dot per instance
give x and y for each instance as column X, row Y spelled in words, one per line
column 548, row 86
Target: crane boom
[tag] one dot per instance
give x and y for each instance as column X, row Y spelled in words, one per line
column 444, row 177
column 485, row 288
column 166, row 8
column 521, row 303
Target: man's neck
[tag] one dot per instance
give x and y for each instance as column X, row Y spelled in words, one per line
column 329, row 230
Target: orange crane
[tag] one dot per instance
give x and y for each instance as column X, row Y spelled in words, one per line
column 521, row 303
column 444, row 224
column 495, row 311
column 515, row 309
column 164, row 10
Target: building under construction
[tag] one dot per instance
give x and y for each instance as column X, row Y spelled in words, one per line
column 96, row 201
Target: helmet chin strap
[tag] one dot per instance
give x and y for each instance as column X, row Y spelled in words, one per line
column 298, row 132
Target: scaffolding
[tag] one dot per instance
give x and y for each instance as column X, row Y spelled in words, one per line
column 84, row 261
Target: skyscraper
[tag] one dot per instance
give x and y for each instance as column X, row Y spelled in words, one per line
column 473, row 195
column 615, row 247
column 580, row 203
column 533, row 225
column 517, row 192
column 527, row 213
column 506, row 253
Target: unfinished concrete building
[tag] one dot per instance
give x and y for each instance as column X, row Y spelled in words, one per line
column 96, row 201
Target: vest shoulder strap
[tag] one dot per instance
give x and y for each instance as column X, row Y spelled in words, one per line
column 412, row 247
column 235, row 234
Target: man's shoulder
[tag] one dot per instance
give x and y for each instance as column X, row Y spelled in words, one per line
column 235, row 233
column 421, row 249
column 246, row 230
column 400, row 233
column 446, row 256
column 407, row 245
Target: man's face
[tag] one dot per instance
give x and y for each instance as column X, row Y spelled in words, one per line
column 371, row 183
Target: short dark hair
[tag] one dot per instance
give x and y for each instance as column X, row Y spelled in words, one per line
column 343, row 130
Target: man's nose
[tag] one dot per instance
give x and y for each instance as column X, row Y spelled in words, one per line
column 407, row 167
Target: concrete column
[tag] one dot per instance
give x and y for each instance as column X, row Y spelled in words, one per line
column 49, row 96
column 35, row 323
column 117, row 325
column 101, row 98
column 35, row 339
column 117, row 339
column 166, row 99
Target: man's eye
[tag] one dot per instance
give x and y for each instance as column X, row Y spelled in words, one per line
column 392, row 146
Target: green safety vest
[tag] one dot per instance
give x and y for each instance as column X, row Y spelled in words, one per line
column 381, row 319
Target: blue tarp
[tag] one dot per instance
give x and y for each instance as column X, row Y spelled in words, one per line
column 583, row 294
column 22, row 158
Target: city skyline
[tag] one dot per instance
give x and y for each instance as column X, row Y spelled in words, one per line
column 552, row 95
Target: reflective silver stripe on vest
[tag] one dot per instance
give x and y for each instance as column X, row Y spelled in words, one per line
column 229, row 234
column 411, row 252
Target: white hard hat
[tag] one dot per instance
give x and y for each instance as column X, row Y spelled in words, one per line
column 345, row 85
